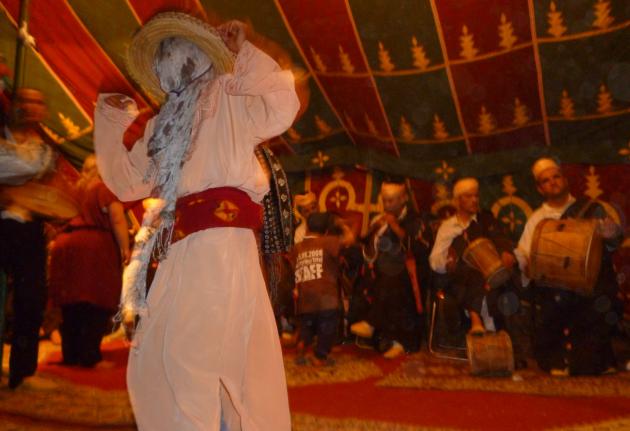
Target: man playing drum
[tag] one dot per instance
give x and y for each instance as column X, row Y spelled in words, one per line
column 574, row 336
column 455, row 238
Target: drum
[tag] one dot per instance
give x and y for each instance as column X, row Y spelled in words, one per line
column 482, row 255
column 44, row 200
column 490, row 354
column 566, row 254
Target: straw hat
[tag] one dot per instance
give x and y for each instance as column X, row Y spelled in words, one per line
column 141, row 52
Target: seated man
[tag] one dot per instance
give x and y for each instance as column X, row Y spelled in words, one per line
column 453, row 237
column 397, row 249
column 574, row 336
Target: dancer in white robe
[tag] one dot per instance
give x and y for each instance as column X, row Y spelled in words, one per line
column 206, row 354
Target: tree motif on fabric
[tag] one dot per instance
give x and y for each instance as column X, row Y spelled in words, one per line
column 556, row 22
column 487, row 122
column 444, row 170
column 384, row 59
column 603, row 19
column 439, row 129
column 320, row 159
column 51, row 134
column 319, row 64
column 293, row 135
column 370, row 125
column 420, row 59
column 406, row 131
column 593, row 189
column 72, row 130
column 467, row 44
column 604, row 100
column 567, row 110
column 346, row 64
column 521, row 113
column 506, row 33
column 322, row 126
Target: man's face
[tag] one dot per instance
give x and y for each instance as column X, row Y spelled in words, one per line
column 29, row 107
column 308, row 209
column 468, row 202
column 552, row 184
column 394, row 203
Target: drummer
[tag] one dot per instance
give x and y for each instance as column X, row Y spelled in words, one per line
column 574, row 336
column 22, row 243
column 468, row 284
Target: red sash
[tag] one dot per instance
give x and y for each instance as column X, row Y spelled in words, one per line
column 217, row 207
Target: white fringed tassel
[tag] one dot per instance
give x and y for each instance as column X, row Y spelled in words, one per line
column 134, row 290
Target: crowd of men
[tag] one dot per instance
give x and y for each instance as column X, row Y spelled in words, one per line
column 405, row 257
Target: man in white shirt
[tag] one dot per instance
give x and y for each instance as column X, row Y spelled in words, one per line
column 453, row 236
column 574, row 336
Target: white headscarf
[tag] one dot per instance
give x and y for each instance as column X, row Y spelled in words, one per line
column 183, row 70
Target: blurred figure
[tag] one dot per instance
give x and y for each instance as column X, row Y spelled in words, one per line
column 85, row 272
column 24, row 156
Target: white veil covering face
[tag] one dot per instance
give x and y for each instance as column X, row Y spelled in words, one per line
column 183, row 71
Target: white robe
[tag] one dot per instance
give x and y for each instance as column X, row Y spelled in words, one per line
column 209, row 346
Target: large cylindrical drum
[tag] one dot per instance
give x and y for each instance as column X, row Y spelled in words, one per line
column 490, row 354
column 482, row 255
column 566, row 254
column 41, row 199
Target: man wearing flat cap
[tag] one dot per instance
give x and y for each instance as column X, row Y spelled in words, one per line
column 397, row 248
column 574, row 336
column 454, row 235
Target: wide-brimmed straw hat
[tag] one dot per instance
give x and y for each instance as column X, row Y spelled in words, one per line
column 144, row 45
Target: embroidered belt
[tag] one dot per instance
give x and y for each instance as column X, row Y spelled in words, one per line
column 217, row 207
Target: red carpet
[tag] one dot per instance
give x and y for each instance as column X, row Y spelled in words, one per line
column 114, row 353
column 370, row 405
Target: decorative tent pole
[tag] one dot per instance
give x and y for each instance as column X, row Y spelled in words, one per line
column 23, row 41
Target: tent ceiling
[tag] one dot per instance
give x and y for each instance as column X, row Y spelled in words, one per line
column 396, row 85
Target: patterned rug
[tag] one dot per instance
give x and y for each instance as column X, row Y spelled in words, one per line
column 423, row 371
column 316, row 423
column 347, row 368
column 50, row 398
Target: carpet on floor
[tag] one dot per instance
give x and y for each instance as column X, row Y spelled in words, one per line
column 423, row 371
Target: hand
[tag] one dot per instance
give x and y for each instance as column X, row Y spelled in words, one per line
column 233, row 35
column 390, row 219
column 119, row 101
column 125, row 254
column 508, row 260
column 129, row 324
column 607, row 228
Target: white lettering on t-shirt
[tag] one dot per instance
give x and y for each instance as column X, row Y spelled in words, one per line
column 309, row 265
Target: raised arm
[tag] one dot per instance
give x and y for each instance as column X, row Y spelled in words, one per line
column 272, row 102
column 123, row 171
